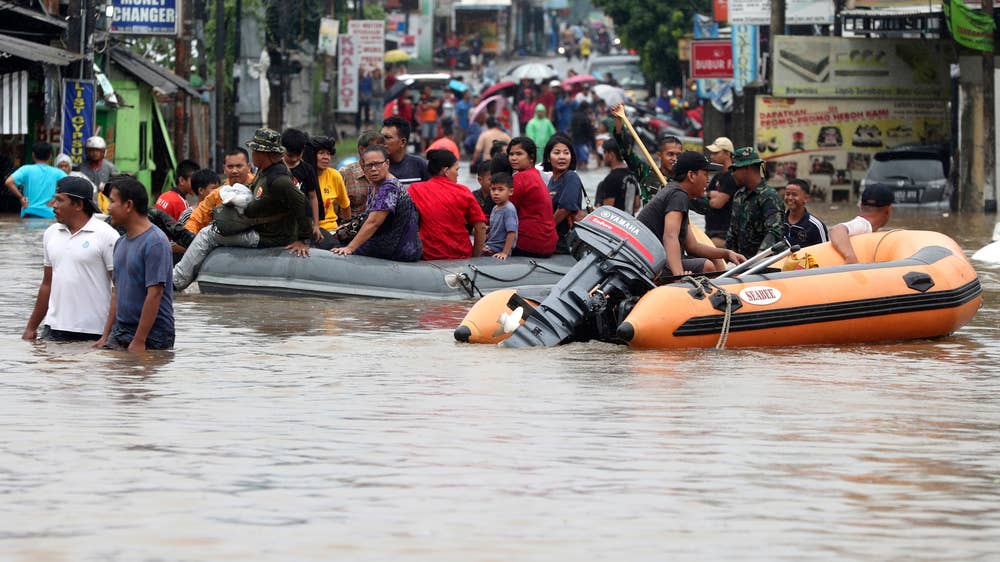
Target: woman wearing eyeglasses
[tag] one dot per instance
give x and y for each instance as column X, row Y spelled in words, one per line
column 536, row 229
column 390, row 231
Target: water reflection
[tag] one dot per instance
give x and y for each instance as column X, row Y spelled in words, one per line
column 363, row 427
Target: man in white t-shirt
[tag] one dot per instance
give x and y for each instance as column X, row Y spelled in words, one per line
column 75, row 293
column 876, row 208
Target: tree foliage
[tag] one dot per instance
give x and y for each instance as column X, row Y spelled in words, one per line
column 652, row 28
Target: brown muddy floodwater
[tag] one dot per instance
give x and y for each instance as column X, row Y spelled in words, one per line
column 301, row 429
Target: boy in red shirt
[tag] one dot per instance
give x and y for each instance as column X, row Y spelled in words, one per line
column 172, row 202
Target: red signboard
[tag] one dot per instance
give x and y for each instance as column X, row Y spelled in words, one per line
column 720, row 10
column 712, row 59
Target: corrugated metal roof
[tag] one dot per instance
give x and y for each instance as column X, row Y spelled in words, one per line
column 32, row 51
column 33, row 14
column 151, row 73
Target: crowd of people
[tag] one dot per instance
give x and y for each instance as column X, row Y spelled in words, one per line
column 112, row 280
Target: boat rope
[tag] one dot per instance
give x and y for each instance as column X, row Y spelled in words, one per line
column 704, row 284
column 882, row 239
column 724, row 333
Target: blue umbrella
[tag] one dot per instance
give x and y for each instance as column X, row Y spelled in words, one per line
column 458, row 86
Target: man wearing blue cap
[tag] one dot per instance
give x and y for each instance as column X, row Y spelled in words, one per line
column 876, row 209
column 78, row 255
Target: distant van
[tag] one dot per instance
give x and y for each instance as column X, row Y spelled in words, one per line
column 916, row 174
column 625, row 70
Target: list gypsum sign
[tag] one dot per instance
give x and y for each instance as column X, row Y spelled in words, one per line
column 146, row 17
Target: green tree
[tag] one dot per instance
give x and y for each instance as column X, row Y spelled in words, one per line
column 652, row 28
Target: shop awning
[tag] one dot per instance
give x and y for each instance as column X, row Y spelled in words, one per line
column 14, row 103
column 29, row 50
column 151, row 73
column 482, row 5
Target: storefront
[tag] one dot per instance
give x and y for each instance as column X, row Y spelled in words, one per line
column 489, row 18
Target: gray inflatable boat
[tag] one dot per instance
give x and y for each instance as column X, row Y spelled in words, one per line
column 325, row 274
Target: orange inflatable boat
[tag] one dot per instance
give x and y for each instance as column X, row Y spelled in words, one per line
column 910, row 285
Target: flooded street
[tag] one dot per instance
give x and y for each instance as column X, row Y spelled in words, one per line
column 355, row 429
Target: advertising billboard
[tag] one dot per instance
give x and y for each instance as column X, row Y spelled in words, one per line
column 712, row 59
column 837, row 67
column 143, row 17
column 831, row 142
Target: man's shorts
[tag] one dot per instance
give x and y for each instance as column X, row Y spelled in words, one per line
column 475, row 60
column 428, row 130
column 694, row 265
column 47, row 333
column 121, row 337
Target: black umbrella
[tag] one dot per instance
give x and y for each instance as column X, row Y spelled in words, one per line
column 397, row 89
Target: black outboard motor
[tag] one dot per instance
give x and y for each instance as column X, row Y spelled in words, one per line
column 620, row 259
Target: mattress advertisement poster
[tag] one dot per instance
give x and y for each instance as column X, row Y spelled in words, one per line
column 837, row 67
column 831, row 142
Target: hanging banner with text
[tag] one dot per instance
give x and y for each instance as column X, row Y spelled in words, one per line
column 78, row 117
column 842, row 67
column 145, row 17
column 329, row 30
column 349, row 57
column 832, row 141
column 797, row 12
column 370, row 35
column 970, row 28
column 712, row 59
column 745, row 49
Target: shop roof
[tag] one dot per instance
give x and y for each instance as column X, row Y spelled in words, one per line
column 151, row 73
column 23, row 17
column 482, row 4
column 29, row 50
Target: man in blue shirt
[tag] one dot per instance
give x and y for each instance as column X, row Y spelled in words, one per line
column 407, row 168
column 37, row 183
column 462, row 114
column 142, row 303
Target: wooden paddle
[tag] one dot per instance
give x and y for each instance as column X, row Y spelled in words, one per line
column 619, row 112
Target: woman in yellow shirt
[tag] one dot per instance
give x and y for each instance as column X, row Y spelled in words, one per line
column 332, row 191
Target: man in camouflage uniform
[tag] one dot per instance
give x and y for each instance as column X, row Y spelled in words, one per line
column 757, row 209
column 668, row 149
column 278, row 212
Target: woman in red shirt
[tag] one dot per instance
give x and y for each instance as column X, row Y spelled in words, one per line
column 536, row 230
column 445, row 208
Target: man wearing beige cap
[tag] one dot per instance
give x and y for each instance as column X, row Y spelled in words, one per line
column 720, row 192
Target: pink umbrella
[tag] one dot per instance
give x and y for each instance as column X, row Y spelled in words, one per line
column 579, row 79
column 501, row 101
column 499, row 88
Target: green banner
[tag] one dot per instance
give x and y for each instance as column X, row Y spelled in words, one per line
column 970, row 28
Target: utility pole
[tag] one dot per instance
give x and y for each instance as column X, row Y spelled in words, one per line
column 220, row 82
column 237, row 54
column 182, row 67
column 777, row 28
column 989, row 118
column 75, row 39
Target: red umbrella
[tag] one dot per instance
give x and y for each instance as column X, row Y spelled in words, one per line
column 579, row 79
column 501, row 101
column 498, row 88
